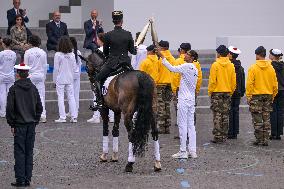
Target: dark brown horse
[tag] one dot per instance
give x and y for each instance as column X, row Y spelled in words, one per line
column 132, row 93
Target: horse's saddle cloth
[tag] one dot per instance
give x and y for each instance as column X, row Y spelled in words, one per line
column 107, row 82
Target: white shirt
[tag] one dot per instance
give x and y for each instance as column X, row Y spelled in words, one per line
column 78, row 65
column 7, row 63
column 36, row 58
column 64, row 68
column 139, row 57
column 188, row 81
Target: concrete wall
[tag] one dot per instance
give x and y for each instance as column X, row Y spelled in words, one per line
column 36, row 10
column 200, row 22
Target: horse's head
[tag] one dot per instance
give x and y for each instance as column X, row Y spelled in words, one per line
column 94, row 62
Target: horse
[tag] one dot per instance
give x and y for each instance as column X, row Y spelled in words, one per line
column 132, row 93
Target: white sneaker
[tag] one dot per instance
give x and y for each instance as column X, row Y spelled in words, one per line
column 42, row 120
column 94, row 120
column 73, row 120
column 180, row 155
column 192, row 155
column 60, row 120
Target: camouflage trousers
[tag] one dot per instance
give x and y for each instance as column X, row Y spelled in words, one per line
column 260, row 107
column 220, row 106
column 164, row 95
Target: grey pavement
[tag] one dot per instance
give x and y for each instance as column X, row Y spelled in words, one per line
column 67, row 156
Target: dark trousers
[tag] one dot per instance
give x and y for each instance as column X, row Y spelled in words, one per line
column 234, row 117
column 104, row 73
column 276, row 117
column 92, row 46
column 23, row 152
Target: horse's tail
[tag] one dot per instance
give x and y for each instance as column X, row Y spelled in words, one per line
column 144, row 113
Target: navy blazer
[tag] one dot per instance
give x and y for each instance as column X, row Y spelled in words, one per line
column 90, row 32
column 11, row 17
column 54, row 33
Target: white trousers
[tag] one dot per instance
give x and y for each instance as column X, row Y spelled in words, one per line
column 39, row 83
column 76, row 85
column 71, row 100
column 185, row 119
column 4, row 89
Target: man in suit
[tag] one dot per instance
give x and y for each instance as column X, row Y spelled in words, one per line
column 92, row 28
column 11, row 16
column 117, row 44
column 54, row 30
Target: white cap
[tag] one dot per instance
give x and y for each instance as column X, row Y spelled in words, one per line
column 276, row 52
column 22, row 66
column 234, row 50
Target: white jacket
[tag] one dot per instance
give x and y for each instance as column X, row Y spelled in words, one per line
column 64, row 68
column 7, row 63
column 188, row 81
column 139, row 57
column 36, row 58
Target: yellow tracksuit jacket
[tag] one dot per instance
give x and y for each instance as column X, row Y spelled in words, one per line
column 165, row 76
column 222, row 76
column 150, row 66
column 261, row 79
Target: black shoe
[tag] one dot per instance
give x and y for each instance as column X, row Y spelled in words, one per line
column 18, row 184
column 256, row 143
column 216, row 141
column 272, row 137
column 265, row 144
column 278, row 138
column 232, row 137
column 28, row 183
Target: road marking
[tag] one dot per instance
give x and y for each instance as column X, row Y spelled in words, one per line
column 185, row 184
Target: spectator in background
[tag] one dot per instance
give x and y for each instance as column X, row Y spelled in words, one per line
column 7, row 76
column 92, row 28
column 54, row 31
column 19, row 36
column 12, row 13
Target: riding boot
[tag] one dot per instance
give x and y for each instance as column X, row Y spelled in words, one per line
column 99, row 98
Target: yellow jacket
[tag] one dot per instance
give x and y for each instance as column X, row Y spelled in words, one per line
column 222, row 76
column 165, row 76
column 261, row 79
column 177, row 76
column 150, row 66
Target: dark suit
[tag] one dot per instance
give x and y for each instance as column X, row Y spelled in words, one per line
column 54, row 33
column 90, row 34
column 117, row 44
column 11, row 17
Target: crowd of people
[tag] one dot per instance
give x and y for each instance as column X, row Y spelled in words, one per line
column 178, row 80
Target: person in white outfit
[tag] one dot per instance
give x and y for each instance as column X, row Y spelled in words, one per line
column 186, row 102
column 36, row 59
column 63, row 77
column 7, row 76
column 141, row 54
column 96, row 115
column 77, row 80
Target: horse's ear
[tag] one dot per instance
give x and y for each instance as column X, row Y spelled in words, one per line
column 83, row 58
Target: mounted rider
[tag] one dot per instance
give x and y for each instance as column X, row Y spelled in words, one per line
column 117, row 44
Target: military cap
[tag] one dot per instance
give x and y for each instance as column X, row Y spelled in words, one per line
column 185, row 46
column 164, row 44
column 117, row 15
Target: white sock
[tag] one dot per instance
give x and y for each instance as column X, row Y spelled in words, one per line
column 131, row 157
column 105, row 144
column 115, row 144
column 157, row 150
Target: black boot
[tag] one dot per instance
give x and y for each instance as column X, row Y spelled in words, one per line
column 99, row 98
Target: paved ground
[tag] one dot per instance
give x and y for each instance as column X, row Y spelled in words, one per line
column 66, row 156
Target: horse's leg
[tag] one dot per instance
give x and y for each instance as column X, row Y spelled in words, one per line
column 115, row 135
column 104, row 114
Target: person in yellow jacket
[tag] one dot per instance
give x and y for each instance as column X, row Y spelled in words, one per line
column 164, row 91
column 150, row 64
column 261, row 88
column 222, row 84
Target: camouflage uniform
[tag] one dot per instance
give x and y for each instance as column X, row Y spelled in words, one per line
column 164, row 95
column 220, row 105
column 260, row 107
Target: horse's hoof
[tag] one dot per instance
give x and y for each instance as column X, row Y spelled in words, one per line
column 103, row 158
column 129, row 167
column 114, row 157
column 157, row 167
